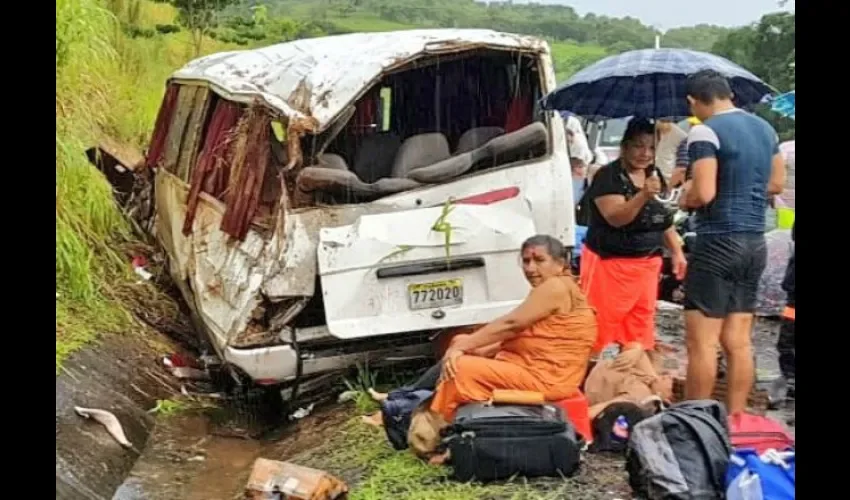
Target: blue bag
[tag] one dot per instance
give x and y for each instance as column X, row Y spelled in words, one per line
column 396, row 411
column 770, row 476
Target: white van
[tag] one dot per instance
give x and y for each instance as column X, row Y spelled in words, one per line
column 347, row 198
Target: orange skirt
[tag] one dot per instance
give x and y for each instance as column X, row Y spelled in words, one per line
column 624, row 292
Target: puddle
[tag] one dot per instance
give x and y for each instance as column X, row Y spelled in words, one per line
column 185, row 459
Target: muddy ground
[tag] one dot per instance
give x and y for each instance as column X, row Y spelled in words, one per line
column 187, row 458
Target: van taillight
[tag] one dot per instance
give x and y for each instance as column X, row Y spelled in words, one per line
column 490, row 197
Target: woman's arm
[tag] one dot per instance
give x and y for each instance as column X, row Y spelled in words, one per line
column 543, row 301
column 617, row 211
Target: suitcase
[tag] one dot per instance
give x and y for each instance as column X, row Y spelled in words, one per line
column 496, row 442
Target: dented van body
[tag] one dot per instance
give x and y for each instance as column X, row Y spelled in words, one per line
column 346, row 198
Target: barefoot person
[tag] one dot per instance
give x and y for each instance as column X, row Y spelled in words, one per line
column 541, row 346
column 735, row 167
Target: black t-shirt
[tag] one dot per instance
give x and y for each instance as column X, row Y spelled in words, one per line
column 643, row 237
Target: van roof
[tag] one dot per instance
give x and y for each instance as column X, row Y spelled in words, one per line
column 316, row 78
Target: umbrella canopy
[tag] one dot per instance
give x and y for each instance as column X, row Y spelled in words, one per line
column 648, row 83
column 785, row 104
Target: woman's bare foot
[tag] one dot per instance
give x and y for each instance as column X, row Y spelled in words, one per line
column 439, row 459
column 377, row 396
column 375, row 419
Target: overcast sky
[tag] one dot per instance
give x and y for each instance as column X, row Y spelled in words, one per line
column 666, row 14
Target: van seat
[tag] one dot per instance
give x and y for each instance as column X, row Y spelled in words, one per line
column 332, row 175
column 374, row 157
column 420, row 151
column 476, row 137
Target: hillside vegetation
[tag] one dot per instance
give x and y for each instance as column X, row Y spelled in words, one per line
column 107, row 82
column 576, row 40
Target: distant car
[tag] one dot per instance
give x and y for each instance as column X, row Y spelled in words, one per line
column 606, row 135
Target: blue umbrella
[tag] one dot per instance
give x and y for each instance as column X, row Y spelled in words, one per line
column 785, row 104
column 648, row 83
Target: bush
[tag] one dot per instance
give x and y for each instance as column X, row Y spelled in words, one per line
column 166, row 29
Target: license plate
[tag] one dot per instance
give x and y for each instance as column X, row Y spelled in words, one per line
column 435, row 294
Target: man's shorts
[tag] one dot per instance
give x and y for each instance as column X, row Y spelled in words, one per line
column 724, row 272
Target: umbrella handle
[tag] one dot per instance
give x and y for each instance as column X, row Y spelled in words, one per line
column 671, row 198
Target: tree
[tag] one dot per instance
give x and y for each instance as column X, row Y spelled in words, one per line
column 767, row 49
column 198, row 16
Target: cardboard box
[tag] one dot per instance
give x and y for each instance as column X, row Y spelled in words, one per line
column 271, row 479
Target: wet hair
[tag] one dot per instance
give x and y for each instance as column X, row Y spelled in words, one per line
column 637, row 127
column 553, row 247
column 708, row 85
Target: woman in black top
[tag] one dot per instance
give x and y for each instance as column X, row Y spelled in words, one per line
column 628, row 229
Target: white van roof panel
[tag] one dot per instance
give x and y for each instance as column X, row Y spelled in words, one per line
column 316, row 78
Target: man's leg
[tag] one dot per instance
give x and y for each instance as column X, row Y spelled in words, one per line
column 707, row 293
column 736, row 340
column 786, row 345
column 738, row 325
column 702, row 334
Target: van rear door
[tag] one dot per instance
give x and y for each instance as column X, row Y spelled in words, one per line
column 426, row 268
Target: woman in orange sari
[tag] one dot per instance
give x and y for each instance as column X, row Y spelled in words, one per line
column 541, row 346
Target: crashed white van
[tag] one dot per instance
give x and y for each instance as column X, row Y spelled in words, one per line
column 346, row 198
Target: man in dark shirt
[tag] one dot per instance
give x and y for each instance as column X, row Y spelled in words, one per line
column 735, row 166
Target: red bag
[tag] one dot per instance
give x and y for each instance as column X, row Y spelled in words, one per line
column 757, row 433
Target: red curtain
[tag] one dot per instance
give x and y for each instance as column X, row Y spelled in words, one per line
column 243, row 195
column 212, row 170
column 519, row 113
column 163, row 121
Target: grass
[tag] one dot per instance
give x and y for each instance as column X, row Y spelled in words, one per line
column 361, row 456
column 106, row 83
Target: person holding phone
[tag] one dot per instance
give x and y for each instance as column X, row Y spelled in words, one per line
column 628, row 231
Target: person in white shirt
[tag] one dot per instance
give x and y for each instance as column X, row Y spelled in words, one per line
column 670, row 136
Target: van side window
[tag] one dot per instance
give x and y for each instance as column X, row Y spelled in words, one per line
column 242, row 152
column 184, row 132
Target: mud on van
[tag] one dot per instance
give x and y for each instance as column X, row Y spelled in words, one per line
column 336, row 199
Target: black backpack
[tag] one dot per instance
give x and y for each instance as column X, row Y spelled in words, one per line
column 397, row 410
column 681, row 453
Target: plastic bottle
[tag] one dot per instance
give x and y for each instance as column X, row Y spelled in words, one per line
column 620, row 431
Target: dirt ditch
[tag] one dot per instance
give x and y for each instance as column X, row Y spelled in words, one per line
column 114, row 375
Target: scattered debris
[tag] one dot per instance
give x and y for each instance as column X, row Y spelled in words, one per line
column 283, row 480
column 177, row 360
column 139, row 263
column 189, row 373
column 346, row 396
column 302, row 412
column 108, row 420
column 212, row 395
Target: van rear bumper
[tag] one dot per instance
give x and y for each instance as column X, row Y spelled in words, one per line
column 279, row 364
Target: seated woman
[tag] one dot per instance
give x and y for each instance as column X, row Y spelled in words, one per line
column 627, row 231
column 542, row 346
